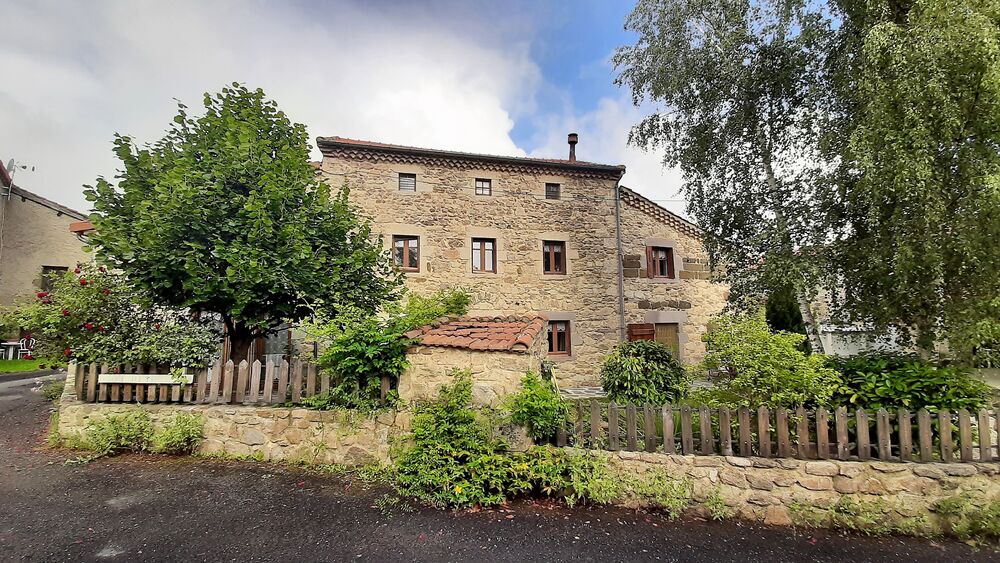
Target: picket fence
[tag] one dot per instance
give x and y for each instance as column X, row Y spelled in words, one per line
column 269, row 383
column 802, row 434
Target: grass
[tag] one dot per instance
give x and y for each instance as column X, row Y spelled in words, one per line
column 14, row 366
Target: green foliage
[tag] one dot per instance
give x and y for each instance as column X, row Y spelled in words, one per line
column 93, row 315
column 657, row 488
column 181, row 436
column 129, row 431
column 754, row 367
column 893, row 382
column 968, row 521
column 455, row 459
column 716, row 505
column 537, row 407
column 641, row 372
column 53, row 391
column 361, row 348
column 849, row 144
column 224, row 214
column 783, row 314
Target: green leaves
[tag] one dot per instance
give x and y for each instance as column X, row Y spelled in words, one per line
column 538, row 407
column 643, row 372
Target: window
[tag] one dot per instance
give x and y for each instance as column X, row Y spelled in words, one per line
column 484, row 186
column 407, row 182
column 559, row 340
column 553, row 257
column 660, row 262
column 49, row 274
column 406, row 253
column 552, row 191
column 484, row 256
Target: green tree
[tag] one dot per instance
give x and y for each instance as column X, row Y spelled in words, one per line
column 850, row 144
column 224, row 214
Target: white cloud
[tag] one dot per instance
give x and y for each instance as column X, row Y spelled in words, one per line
column 604, row 138
column 77, row 72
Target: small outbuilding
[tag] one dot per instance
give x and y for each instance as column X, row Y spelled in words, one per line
column 497, row 350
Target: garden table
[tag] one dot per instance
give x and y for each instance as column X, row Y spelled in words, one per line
column 9, row 350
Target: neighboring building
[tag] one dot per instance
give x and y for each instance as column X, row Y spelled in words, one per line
column 35, row 241
column 537, row 236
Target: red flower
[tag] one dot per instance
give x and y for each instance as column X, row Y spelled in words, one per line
column 67, row 352
column 100, row 329
column 156, row 326
column 42, row 294
column 47, row 301
column 83, row 281
column 76, row 271
column 65, row 312
column 29, row 357
column 88, row 326
column 106, row 291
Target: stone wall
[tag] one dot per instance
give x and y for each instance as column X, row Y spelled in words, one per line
column 494, row 374
column 34, row 235
column 446, row 214
column 690, row 300
column 775, row 491
column 276, row 434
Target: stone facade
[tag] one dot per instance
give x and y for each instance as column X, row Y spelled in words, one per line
column 494, row 374
column 773, row 490
column 445, row 212
column 275, row 434
column 35, row 234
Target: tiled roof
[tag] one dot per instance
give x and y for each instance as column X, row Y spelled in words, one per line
column 354, row 148
column 658, row 212
column 510, row 333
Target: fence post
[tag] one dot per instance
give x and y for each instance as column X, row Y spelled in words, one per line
column 822, row 433
column 283, row 373
column 687, row 436
column 725, row 432
column 925, row 435
column 905, row 435
column 578, row 438
column 964, row 435
column 630, row 439
column 128, row 389
column 864, row 444
column 295, row 380
column 944, row 431
column 613, row 427
column 843, row 444
column 227, row 384
column 668, row 429
column 595, row 424
column 764, row 431
column 746, row 449
column 802, row 424
column 781, row 429
column 92, row 384
column 705, row 424
column 985, row 447
column 649, row 428
column 882, row 432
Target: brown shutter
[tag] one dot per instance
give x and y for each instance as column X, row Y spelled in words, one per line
column 641, row 331
column 670, row 263
column 650, row 267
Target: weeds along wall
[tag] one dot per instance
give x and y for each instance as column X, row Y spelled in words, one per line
column 876, row 497
column 274, row 434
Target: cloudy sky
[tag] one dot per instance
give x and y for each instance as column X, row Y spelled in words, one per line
column 508, row 77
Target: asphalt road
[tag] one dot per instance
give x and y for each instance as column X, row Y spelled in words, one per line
column 153, row 508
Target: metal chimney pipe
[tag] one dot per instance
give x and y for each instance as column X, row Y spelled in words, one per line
column 572, row 139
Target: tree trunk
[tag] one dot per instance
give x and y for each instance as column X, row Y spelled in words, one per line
column 241, row 339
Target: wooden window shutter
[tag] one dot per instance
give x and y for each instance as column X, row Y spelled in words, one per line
column 641, row 331
column 650, row 266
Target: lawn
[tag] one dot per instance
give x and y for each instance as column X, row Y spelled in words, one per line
column 12, row 366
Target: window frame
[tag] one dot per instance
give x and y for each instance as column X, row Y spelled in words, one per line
column 551, row 255
column 653, row 263
column 482, row 255
column 407, row 175
column 553, row 194
column 553, row 339
column 406, row 247
column 484, row 190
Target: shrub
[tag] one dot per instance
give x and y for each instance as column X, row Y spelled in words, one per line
column 752, row 366
column 53, row 391
column 93, row 315
column 643, row 371
column 362, row 348
column 182, row 436
column 893, row 382
column 537, row 407
column 966, row 521
column 115, row 433
column 456, row 459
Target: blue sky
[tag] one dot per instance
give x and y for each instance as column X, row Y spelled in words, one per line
column 495, row 77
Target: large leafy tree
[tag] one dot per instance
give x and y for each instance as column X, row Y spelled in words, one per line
column 225, row 215
column 852, row 143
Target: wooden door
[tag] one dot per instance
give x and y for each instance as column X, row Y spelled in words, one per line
column 668, row 334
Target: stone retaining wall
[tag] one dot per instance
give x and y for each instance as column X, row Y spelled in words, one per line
column 772, row 490
column 278, row 434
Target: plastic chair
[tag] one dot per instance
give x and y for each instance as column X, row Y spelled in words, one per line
column 27, row 345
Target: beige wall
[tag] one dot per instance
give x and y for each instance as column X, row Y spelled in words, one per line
column 689, row 300
column 33, row 236
column 446, row 214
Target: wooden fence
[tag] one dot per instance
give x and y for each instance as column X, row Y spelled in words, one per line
column 898, row 436
column 249, row 384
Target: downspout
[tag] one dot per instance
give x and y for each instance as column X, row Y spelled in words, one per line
column 621, row 272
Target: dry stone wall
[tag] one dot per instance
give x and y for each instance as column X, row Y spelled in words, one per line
column 275, row 434
column 777, row 491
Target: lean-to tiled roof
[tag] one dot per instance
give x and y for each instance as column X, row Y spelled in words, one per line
column 507, row 333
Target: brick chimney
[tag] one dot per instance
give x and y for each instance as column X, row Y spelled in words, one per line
column 572, row 139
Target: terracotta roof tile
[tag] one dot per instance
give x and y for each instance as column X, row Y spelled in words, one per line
column 509, row 333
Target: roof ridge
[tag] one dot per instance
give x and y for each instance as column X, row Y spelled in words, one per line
column 658, row 211
column 45, row 202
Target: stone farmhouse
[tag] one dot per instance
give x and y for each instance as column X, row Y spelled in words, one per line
column 558, row 238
